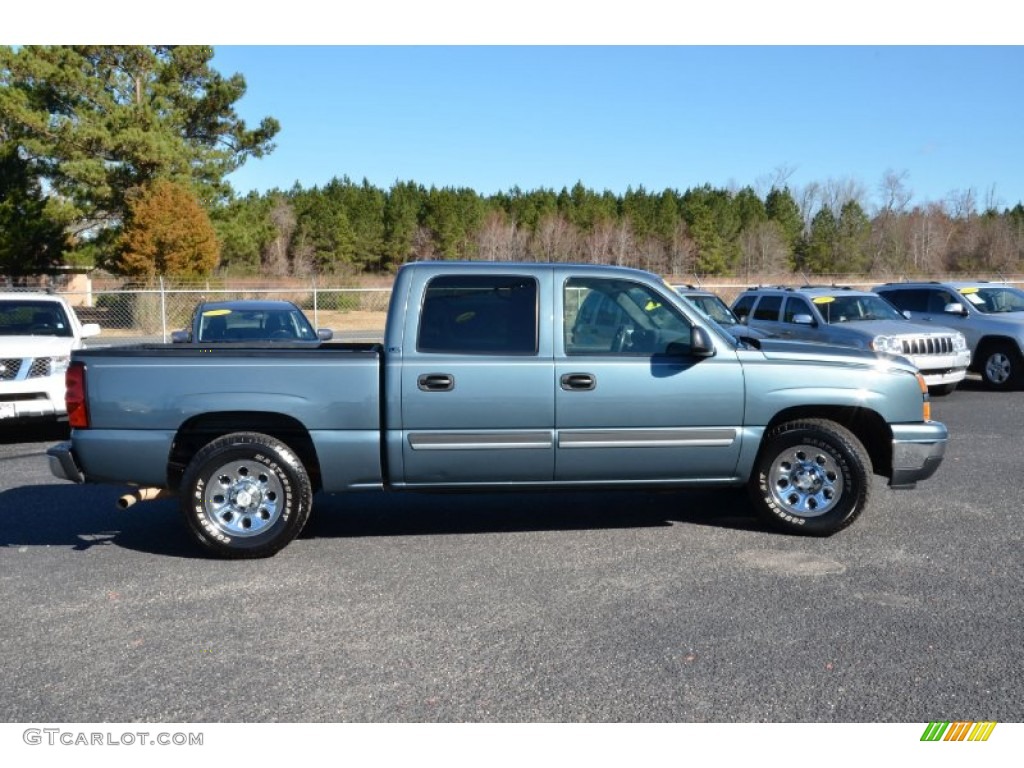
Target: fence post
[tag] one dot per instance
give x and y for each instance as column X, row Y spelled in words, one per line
column 163, row 311
column 316, row 315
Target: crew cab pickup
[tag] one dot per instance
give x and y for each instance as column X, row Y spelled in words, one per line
column 487, row 379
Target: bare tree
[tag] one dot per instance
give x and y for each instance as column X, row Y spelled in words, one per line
column 276, row 254
column 763, row 248
column 500, row 240
column 555, row 239
column 896, row 196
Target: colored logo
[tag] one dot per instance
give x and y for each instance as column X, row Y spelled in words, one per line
column 958, row 731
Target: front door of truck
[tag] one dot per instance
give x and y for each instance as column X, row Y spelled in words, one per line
column 630, row 403
column 477, row 393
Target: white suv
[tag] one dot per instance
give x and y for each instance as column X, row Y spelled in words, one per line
column 38, row 331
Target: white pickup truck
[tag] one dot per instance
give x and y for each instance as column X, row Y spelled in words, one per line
column 38, row 332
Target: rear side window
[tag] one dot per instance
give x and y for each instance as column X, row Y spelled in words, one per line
column 479, row 315
column 911, row 299
column 768, row 308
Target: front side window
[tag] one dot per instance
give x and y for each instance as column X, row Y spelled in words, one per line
column 479, row 315
column 796, row 306
column 619, row 317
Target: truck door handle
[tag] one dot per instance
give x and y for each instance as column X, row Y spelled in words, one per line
column 578, row 381
column 436, row 382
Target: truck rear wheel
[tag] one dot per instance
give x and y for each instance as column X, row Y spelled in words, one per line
column 811, row 476
column 245, row 495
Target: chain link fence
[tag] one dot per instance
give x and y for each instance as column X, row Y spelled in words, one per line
column 142, row 315
column 137, row 313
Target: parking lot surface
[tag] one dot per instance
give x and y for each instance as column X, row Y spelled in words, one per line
column 610, row 606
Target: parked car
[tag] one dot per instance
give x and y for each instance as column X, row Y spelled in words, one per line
column 38, row 331
column 990, row 315
column 247, row 320
column 714, row 306
column 853, row 318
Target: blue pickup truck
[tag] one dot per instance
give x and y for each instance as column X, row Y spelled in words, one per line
column 491, row 377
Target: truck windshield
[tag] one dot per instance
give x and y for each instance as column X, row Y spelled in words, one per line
column 33, row 318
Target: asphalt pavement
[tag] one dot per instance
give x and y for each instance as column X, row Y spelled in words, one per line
column 556, row 607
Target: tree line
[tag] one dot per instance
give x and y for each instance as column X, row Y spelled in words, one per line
column 346, row 227
column 118, row 157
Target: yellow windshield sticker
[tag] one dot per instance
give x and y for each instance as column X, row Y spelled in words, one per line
column 824, row 299
column 215, row 312
column 965, row 291
column 651, row 305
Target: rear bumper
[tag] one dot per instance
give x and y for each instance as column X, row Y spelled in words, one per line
column 63, row 463
column 917, row 451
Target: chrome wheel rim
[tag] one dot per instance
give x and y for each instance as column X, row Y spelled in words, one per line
column 243, row 498
column 997, row 368
column 805, row 481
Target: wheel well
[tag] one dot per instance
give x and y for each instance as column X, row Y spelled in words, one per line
column 200, row 430
column 869, row 427
column 986, row 343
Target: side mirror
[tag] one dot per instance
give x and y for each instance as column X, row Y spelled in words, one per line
column 700, row 343
column 803, row 319
column 700, row 346
column 955, row 308
column 90, row 329
column 906, row 314
column 181, row 337
column 324, row 334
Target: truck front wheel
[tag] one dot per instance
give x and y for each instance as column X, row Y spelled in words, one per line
column 811, row 476
column 245, row 495
column 1000, row 366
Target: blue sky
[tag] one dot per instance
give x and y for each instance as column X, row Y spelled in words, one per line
column 949, row 118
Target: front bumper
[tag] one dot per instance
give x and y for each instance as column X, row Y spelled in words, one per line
column 917, row 451
column 63, row 463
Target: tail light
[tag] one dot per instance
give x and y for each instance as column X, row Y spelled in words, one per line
column 74, row 396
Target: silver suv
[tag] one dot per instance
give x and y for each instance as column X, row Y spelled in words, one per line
column 714, row 307
column 990, row 315
column 851, row 318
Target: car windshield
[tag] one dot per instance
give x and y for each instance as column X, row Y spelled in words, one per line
column 33, row 318
column 848, row 309
column 715, row 308
column 994, row 299
column 227, row 324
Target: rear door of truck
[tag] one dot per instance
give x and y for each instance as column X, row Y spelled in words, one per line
column 477, row 391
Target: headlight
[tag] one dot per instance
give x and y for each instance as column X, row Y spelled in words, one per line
column 890, row 344
column 959, row 342
column 59, row 364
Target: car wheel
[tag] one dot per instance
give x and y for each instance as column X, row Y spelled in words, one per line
column 1000, row 366
column 245, row 495
column 811, row 476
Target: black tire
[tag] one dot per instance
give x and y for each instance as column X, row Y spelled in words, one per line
column 811, row 477
column 941, row 390
column 1000, row 366
column 245, row 495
